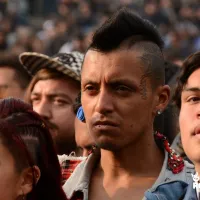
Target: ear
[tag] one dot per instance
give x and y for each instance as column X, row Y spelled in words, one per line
column 163, row 97
column 27, row 177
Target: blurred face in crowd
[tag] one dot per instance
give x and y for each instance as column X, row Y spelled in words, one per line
column 119, row 105
column 9, row 86
column 83, row 140
column 189, row 118
column 53, row 99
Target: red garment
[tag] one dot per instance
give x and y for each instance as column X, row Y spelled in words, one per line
column 67, row 168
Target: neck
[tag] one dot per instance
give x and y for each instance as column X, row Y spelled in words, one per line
column 141, row 159
column 197, row 168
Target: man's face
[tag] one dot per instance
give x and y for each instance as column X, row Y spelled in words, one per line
column 118, row 101
column 53, row 100
column 9, row 87
column 189, row 118
column 83, row 139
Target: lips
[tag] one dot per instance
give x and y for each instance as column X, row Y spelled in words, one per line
column 197, row 131
column 105, row 123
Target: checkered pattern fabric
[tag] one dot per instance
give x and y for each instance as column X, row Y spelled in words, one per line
column 67, row 63
column 68, row 164
column 67, row 168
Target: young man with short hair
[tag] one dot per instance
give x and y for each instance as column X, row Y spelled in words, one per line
column 187, row 98
column 122, row 90
column 52, row 92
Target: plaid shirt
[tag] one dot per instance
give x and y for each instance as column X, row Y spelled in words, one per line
column 68, row 165
column 67, row 168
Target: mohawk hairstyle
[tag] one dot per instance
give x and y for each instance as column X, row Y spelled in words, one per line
column 127, row 30
column 123, row 25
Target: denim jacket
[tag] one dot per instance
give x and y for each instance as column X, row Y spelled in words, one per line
column 168, row 186
column 176, row 190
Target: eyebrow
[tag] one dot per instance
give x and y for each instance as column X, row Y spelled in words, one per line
column 112, row 81
column 123, row 80
column 192, row 89
column 89, row 81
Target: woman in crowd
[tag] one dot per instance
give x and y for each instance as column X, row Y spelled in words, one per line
column 29, row 167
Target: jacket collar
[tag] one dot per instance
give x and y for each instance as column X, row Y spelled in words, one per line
column 190, row 193
column 80, row 179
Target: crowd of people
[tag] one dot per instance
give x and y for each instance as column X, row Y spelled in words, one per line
column 99, row 119
column 68, row 24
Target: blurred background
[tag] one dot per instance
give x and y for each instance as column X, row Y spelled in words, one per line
column 50, row 26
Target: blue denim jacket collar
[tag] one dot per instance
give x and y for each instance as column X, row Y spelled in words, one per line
column 177, row 190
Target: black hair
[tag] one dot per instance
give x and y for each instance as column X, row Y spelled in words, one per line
column 121, row 26
column 126, row 29
column 21, row 75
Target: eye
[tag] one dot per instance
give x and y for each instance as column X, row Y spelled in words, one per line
column 60, row 102
column 89, row 87
column 122, row 88
column 35, row 99
column 193, row 99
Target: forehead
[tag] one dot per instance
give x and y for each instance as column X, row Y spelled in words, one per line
column 194, row 79
column 6, row 74
column 51, row 86
column 120, row 63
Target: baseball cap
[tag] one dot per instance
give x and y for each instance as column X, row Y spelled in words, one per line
column 67, row 63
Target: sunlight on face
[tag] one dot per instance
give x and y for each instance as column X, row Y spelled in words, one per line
column 189, row 118
column 112, row 94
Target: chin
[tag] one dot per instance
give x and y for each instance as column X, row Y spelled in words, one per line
column 194, row 156
column 108, row 145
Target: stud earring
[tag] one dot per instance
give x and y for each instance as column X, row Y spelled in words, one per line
column 43, row 125
column 159, row 112
column 22, row 196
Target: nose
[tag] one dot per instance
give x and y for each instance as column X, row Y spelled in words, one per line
column 43, row 108
column 104, row 104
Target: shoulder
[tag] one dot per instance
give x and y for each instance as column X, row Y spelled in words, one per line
column 170, row 185
column 80, row 178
